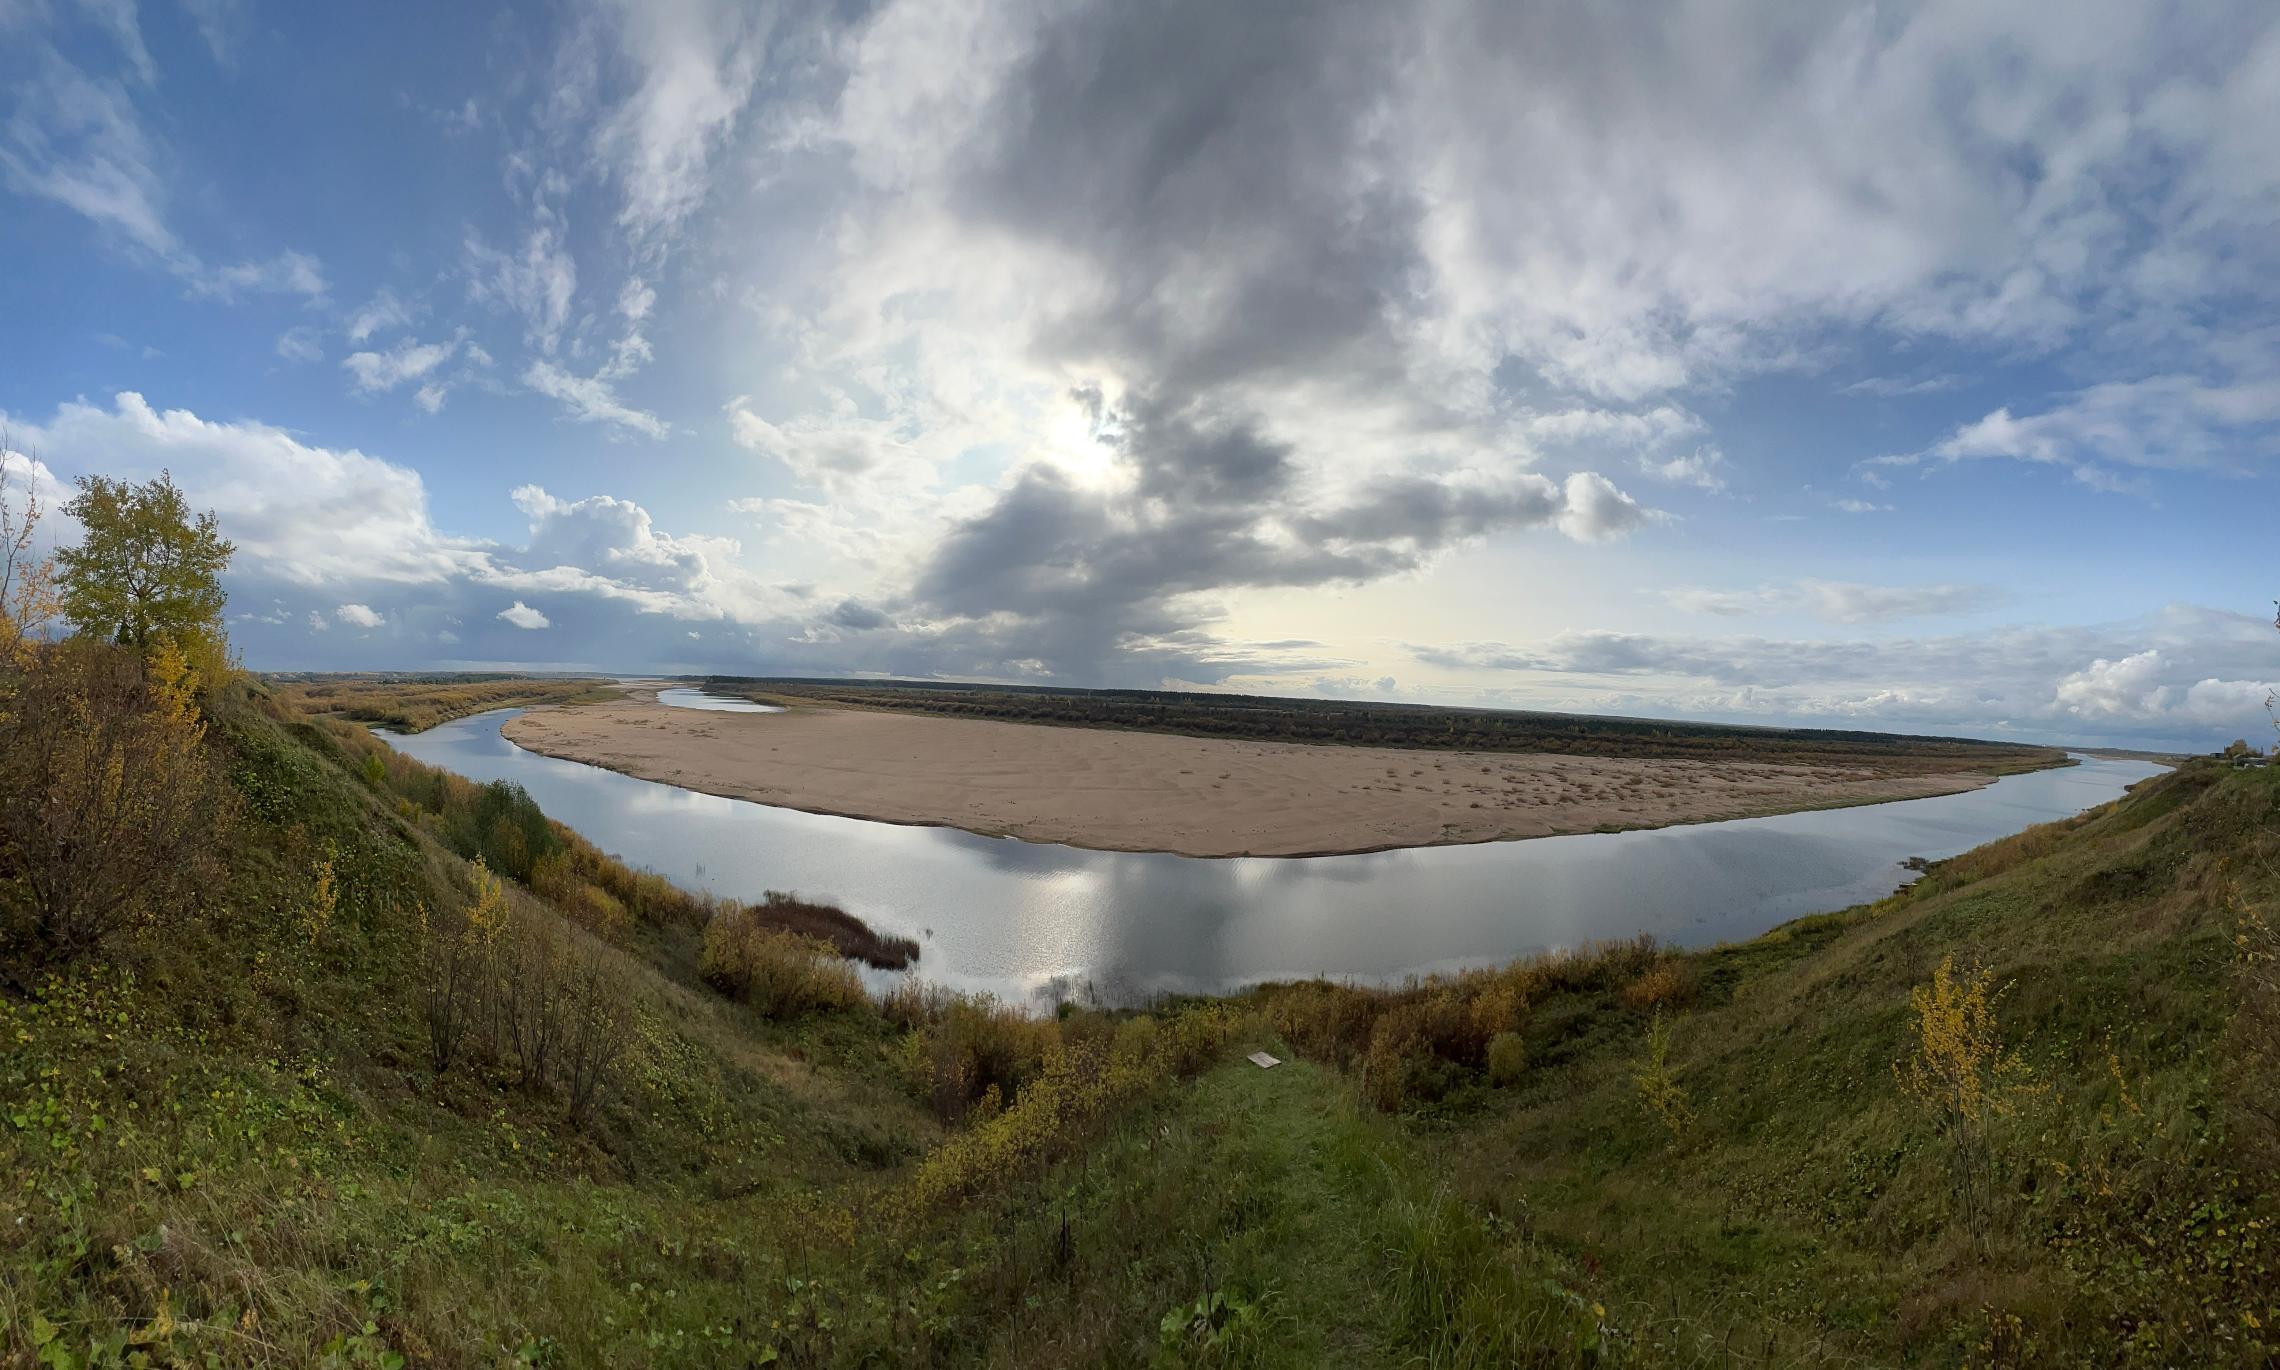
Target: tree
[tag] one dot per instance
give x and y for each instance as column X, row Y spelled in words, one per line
column 27, row 579
column 147, row 571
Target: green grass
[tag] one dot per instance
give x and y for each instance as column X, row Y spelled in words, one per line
column 224, row 1141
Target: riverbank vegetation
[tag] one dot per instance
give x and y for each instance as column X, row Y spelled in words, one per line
column 414, row 703
column 408, row 1075
column 1354, row 723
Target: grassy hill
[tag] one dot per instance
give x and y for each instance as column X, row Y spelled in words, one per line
column 228, row 1139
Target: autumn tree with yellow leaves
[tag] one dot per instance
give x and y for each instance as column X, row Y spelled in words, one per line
column 112, row 812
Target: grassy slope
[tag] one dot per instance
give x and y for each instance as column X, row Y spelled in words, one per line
column 228, row 1143
column 1806, row 1217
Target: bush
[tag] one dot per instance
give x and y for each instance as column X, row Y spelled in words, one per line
column 1507, row 1059
column 524, row 990
column 779, row 974
column 1325, row 1021
column 112, row 812
column 1076, row 1085
column 1409, row 1041
column 974, row 1053
column 1668, row 984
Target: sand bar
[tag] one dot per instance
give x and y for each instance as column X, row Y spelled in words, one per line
column 1134, row 791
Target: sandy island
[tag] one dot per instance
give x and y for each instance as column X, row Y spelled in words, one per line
column 1134, row 791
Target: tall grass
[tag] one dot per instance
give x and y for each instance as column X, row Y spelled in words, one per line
column 415, row 703
column 779, row 974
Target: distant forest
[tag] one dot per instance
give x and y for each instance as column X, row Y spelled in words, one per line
column 1269, row 719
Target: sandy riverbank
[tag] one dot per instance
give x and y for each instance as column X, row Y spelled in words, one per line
column 1130, row 791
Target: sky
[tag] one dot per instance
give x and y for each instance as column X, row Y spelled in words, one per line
column 1909, row 367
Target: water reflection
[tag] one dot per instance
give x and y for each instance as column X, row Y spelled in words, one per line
column 684, row 697
column 1020, row 918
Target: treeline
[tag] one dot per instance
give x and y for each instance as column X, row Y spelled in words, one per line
column 1270, row 719
column 415, row 703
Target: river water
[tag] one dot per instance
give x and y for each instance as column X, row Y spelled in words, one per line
column 1031, row 920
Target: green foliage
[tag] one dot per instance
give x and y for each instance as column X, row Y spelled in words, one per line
column 503, row 828
column 146, row 569
column 1658, row 1085
column 1507, row 1059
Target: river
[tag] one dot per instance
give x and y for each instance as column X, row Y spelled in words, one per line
column 1030, row 920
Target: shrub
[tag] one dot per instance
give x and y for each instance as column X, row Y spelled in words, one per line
column 112, row 812
column 1325, row 1021
column 779, row 974
column 456, row 943
column 1668, row 984
column 1658, row 1085
column 1397, row 1068
column 1956, row 1067
column 846, row 933
column 973, row 1049
column 1507, row 1059
column 1075, row 1087
column 530, row 994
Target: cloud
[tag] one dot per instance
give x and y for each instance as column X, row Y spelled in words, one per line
column 317, row 622
column 288, row 273
column 2168, row 678
column 358, row 616
column 2161, row 422
column 300, row 344
column 831, row 452
column 537, row 285
column 694, row 65
column 222, row 24
column 300, row 514
column 2128, row 688
column 591, row 399
column 1702, row 468
column 1901, row 387
column 1077, row 576
column 1838, row 601
column 383, row 311
column 408, row 360
column 76, row 139
column 521, row 615
column 1596, row 511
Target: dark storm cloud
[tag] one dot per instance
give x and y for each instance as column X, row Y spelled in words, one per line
column 1209, row 159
